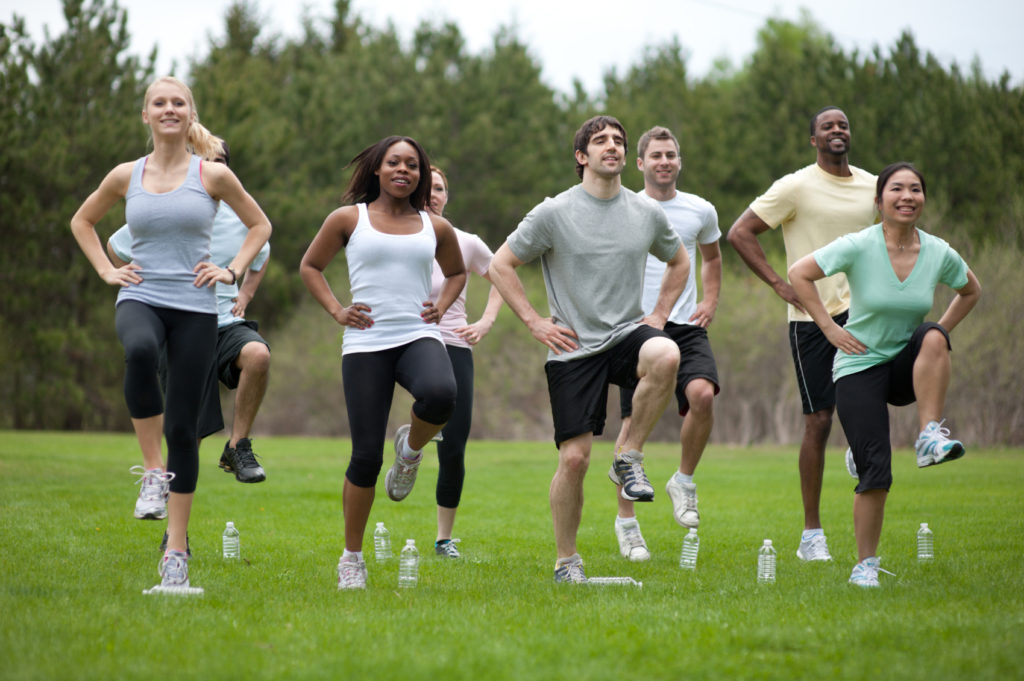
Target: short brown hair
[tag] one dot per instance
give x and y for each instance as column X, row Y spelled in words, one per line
column 658, row 132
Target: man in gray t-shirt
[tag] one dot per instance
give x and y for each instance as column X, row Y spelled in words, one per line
column 593, row 241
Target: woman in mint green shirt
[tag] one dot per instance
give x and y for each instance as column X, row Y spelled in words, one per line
column 887, row 353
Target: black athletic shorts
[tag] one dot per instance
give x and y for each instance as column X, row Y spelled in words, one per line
column 230, row 341
column 695, row 361
column 578, row 388
column 813, row 357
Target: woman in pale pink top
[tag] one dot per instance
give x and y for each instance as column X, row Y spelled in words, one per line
column 458, row 337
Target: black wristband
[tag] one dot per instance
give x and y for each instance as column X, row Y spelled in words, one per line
column 234, row 277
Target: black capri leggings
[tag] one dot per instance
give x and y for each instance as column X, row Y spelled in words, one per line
column 862, row 401
column 421, row 367
column 191, row 342
column 451, row 451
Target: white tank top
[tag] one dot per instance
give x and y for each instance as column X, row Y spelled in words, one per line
column 390, row 273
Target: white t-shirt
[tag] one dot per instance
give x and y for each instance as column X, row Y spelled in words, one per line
column 696, row 222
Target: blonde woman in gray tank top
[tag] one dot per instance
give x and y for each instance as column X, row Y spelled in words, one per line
column 391, row 243
column 171, row 197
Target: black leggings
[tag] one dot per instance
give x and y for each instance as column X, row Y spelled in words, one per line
column 451, row 451
column 191, row 342
column 421, row 367
column 862, row 401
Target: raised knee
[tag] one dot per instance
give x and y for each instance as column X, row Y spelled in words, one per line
column 700, row 395
column 935, row 341
column 662, row 357
column 254, row 357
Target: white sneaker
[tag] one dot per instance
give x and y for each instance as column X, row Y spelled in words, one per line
column 570, row 570
column 401, row 476
column 933, row 445
column 815, row 548
column 173, row 570
column 351, row 573
column 865, row 573
column 684, row 502
column 155, row 485
column 851, row 465
column 631, row 542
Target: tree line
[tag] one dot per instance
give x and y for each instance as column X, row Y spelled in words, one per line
column 296, row 110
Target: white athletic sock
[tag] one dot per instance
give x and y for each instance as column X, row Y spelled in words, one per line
column 807, row 534
column 348, row 554
column 683, row 477
column 620, row 521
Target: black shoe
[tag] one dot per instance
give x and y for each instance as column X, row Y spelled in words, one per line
column 163, row 544
column 241, row 461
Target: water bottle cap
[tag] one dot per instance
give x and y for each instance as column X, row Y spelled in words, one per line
column 410, row 542
column 693, row 530
column 767, row 542
column 230, row 524
column 380, row 524
column 924, row 526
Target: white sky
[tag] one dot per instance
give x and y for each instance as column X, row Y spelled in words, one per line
column 574, row 39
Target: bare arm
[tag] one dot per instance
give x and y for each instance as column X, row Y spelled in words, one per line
column 965, row 300
column 743, row 237
column 332, row 237
column 222, row 185
column 510, row 286
column 247, row 291
column 449, row 258
column 83, row 227
column 803, row 274
column 672, row 284
column 474, row 333
column 711, row 284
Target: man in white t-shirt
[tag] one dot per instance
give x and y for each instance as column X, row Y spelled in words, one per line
column 814, row 206
column 696, row 222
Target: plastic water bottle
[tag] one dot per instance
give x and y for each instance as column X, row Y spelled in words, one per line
column 925, row 552
column 381, row 542
column 232, row 547
column 691, row 545
column 766, row 563
column 409, row 565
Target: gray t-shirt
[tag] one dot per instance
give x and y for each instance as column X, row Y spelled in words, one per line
column 593, row 253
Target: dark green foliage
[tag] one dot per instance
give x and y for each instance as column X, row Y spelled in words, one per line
column 296, row 110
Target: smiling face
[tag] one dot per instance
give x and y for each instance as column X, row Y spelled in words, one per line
column 660, row 165
column 438, row 194
column 902, row 198
column 832, row 133
column 605, row 154
column 399, row 171
column 168, row 108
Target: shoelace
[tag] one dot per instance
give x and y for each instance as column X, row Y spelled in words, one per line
column 818, row 546
column 174, row 570
column 349, row 572
column 153, row 483
column 246, row 458
column 575, row 573
column 632, row 536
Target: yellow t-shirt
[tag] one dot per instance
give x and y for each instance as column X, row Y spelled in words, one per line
column 814, row 208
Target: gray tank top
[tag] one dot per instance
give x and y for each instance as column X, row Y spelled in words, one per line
column 170, row 236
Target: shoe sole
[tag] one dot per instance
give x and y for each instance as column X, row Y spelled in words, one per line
column 226, row 467
column 955, row 453
column 152, row 515
column 812, row 560
column 387, row 486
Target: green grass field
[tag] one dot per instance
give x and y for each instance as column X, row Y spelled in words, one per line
column 74, row 563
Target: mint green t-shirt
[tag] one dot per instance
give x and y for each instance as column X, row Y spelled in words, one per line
column 884, row 311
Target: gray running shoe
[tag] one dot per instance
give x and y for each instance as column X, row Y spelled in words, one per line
column 628, row 470
column 446, row 548
column 401, row 476
column 570, row 570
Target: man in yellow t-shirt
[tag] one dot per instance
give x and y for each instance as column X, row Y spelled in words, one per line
column 814, row 206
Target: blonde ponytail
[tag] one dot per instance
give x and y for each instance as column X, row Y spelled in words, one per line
column 202, row 142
